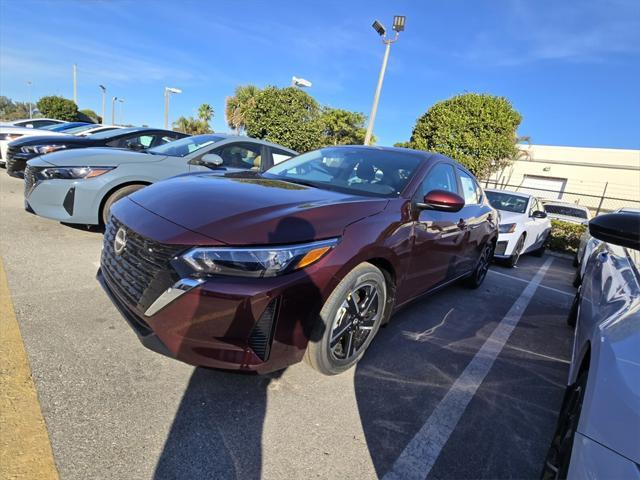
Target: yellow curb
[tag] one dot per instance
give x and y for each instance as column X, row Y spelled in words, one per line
column 25, row 450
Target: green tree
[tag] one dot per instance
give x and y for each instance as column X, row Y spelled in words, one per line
column 342, row 127
column 478, row 130
column 88, row 115
column 196, row 126
column 403, row 144
column 10, row 110
column 57, row 107
column 287, row 116
column 237, row 106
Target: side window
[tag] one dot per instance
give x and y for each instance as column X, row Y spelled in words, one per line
column 469, row 188
column 440, row 177
column 280, row 155
column 241, row 155
column 137, row 142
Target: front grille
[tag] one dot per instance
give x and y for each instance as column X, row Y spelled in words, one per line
column 500, row 248
column 30, row 179
column 262, row 334
column 142, row 271
column 15, row 166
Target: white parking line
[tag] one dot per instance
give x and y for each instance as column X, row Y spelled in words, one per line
column 527, row 281
column 421, row 453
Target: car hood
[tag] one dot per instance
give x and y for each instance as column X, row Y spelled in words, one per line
column 247, row 209
column 97, row 157
column 65, row 139
column 510, row 217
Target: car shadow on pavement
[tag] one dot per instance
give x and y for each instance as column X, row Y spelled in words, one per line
column 217, row 429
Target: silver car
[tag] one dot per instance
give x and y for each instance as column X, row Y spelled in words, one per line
column 80, row 185
column 598, row 432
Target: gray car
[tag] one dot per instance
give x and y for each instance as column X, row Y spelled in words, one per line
column 598, row 432
column 79, row 186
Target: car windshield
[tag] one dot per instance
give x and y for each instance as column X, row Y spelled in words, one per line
column 63, row 127
column 364, row 171
column 81, row 128
column 507, row 202
column 106, row 134
column 185, row 146
column 565, row 210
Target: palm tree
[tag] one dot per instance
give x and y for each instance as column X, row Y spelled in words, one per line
column 239, row 104
column 205, row 112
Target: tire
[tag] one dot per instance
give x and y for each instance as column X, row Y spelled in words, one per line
column 482, row 267
column 517, row 251
column 556, row 464
column 114, row 197
column 343, row 336
column 572, row 318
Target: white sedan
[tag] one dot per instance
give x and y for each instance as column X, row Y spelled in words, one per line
column 524, row 226
column 10, row 133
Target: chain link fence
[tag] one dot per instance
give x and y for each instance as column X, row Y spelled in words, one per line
column 597, row 204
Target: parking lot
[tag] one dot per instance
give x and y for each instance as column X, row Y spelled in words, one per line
column 462, row 384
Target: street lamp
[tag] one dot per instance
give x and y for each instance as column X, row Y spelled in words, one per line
column 168, row 91
column 398, row 26
column 29, row 83
column 104, row 102
column 300, row 82
column 113, row 110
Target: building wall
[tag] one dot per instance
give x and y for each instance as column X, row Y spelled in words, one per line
column 587, row 175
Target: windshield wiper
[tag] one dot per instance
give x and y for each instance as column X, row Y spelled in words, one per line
column 298, row 182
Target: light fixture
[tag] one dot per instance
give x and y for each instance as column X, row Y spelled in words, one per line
column 378, row 27
column 398, row 23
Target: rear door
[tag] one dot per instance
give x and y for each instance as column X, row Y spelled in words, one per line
column 438, row 240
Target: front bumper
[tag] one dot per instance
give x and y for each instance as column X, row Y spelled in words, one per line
column 589, row 459
column 506, row 244
column 17, row 162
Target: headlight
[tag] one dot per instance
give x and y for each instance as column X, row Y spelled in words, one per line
column 508, row 228
column 9, row 137
column 42, row 149
column 68, row 173
column 256, row 262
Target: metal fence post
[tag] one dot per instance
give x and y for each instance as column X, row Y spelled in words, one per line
column 602, row 198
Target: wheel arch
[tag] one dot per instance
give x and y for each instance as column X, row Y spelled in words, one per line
column 387, row 269
column 114, row 189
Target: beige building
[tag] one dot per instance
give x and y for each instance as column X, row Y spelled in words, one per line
column 602, row 179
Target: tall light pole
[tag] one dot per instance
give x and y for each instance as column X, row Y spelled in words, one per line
column 398, row 26
column 75, row 83
column 121, row 102
column 29, row 83
column 168, row 91
column 113, row 110
column 104, row 102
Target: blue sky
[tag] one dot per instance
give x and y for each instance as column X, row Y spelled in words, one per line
column 571, row 67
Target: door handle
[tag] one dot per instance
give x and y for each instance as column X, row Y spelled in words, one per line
column 462, row 224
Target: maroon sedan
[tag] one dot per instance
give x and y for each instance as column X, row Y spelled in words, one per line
column 255, row 271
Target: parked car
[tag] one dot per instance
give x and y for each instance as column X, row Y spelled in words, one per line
column 80, row 185
column 33, row 122
column 135, row 138
column 567, row 212
column 598, row 430
column 524, row 226
column 586, row 246
column 252, row 271
column 11, row 133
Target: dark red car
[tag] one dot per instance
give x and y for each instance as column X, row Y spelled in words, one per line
column 254, row 271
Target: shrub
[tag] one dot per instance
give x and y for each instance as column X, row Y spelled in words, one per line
column 57, row 107
column 565, row 236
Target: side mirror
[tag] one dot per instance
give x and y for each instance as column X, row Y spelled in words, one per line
column 621, row 229
column 211, row 160
column 442, row 200
column 539, row 214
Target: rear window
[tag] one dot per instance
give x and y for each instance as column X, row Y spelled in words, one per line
column 564, row 210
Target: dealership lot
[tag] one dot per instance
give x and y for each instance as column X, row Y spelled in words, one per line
column 115, row 410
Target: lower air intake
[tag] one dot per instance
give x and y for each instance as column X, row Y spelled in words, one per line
column 262, row 334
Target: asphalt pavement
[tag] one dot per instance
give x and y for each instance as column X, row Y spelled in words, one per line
column 462, row 384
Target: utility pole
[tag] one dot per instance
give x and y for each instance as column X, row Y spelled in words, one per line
column 398, row 26
column 75, row 83
column 104, row 102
